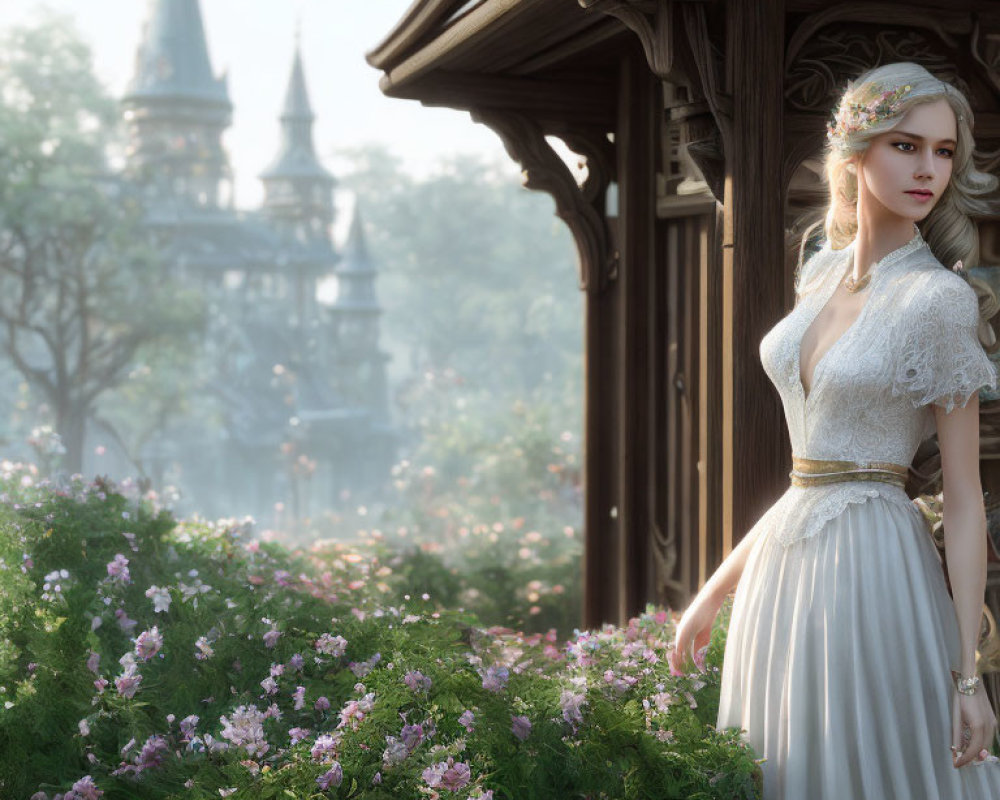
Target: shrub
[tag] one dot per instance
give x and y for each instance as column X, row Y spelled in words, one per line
column 146, row 657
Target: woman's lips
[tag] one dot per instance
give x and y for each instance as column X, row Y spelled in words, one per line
column 920, row 196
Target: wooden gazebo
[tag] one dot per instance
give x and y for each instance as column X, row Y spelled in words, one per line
column 701, row 122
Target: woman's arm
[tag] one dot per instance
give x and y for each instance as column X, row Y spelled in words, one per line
column 728, row 573
column 973, row 720
column 964, row 520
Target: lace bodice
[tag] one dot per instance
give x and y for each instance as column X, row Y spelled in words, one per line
column 913, row 344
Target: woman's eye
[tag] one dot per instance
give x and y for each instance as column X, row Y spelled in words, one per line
column 949, row 151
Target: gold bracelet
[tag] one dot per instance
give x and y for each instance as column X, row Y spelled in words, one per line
column 967, row 686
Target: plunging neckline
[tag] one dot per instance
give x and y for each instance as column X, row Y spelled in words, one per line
column 893, row 255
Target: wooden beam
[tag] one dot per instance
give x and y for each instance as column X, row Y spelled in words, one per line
column 754, row 255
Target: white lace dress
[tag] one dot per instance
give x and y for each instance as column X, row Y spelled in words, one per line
column 842, row 634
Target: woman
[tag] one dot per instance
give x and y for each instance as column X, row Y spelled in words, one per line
column 843, row 638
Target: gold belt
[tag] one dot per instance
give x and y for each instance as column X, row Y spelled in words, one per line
column 818, row 471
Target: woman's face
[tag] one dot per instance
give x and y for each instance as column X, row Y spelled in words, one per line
column 916, row 155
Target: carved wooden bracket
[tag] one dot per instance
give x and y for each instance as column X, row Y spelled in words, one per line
column 581, row 208
column 651, row 21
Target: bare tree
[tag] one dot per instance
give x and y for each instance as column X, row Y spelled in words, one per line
column 82, row 289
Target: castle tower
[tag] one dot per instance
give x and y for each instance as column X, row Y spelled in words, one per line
column 177, row 110
column 298, row 190
column 355, row 312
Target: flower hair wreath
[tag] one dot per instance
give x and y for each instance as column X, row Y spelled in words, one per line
column 853, row 117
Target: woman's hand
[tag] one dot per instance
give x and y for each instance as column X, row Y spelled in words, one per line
column 973, row 716
column 695, row 627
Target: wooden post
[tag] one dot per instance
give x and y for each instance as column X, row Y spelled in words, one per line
column 753, row 262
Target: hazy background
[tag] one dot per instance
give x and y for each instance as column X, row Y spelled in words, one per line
column 253, row 41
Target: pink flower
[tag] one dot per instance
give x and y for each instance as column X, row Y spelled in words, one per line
column 467, row 720
column 417, row 681
column 118, row 569
column 124, row 622
column 99, row 684
column 699, row 658
column 300, row 697
column 148, row 643
column 271, row 638
column 128, row 682
column 93, row 663
column 325, row 746
column 331, row 645
column 520, row 726
column 322, row 704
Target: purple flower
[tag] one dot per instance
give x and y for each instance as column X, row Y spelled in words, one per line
column 322, row 704
column 332, row 777
column 188, row 724
column 571, row 703
column 298, row 734
column 269, row 685
column 271, row 637
column 118, row 569
column 153, row 754
column 521, row 727
column 412, row 735
column 148, row 643
column 99, row 684
column 495, row 679
column 296, row 662
column 325, row 746
column 85, row 789
column 467, row 720
column 417, row 681
column 300, row 697
column 448, row 775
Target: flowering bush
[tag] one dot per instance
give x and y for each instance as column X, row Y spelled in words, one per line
column 184, row 659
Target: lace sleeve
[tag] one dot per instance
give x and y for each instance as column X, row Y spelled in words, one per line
column 942, row 361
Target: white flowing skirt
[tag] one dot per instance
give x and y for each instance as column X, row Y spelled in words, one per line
column 837, row 664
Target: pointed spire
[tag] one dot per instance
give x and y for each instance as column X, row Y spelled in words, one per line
column 297, row 157
column 355, row 255
column 355, row 273
column 173, row 61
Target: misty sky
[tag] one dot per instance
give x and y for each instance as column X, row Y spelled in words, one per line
column 253, row 41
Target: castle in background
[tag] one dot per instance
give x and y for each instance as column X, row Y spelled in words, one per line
column 300, row 381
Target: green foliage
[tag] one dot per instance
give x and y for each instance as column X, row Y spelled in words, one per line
column 598, row 715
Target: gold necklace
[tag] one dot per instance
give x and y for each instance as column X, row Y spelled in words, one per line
column 857, row 285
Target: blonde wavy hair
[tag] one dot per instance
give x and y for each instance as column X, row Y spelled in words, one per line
column 947, row 229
